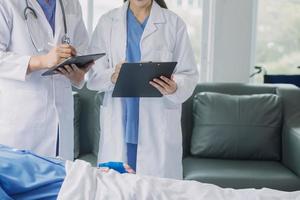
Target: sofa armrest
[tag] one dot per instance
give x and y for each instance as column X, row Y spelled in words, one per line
column 291, row 148
column 291, row 128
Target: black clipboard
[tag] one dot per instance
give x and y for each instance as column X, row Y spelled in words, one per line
column 134, row 78
column 80, row 61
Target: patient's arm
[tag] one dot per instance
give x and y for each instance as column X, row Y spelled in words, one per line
column 117, row 166
column 129, row 169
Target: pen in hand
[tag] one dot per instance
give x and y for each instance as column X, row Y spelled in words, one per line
column 65, row 49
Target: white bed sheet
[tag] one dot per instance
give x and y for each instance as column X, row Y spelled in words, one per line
column 84, row 182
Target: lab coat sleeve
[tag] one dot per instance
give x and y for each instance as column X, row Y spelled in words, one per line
column 186, row 74
column 12, row 65
column 99, row 77
column 81, row 40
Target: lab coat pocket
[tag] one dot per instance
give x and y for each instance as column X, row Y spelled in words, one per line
column 173, row 123
column 103, row 127
column 160, row 55
column 22, row 108
column 103, row 116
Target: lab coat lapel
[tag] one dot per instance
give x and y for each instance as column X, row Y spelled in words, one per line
column 156, row 17
column 119, row 33
column 42, row 19
column 59, row 24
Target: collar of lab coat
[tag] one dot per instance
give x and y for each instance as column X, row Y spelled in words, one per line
column 156, row 13
column 156, row 17
column 40, row 11
column 119, row 21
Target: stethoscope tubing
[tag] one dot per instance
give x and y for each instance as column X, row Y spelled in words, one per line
column 29, row 9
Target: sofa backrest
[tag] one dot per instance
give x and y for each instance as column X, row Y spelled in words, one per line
column 89, row 112
column 224, row 88
column 238, row 127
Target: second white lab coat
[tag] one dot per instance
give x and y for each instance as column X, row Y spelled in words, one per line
column 165, row 38
column 32, row 106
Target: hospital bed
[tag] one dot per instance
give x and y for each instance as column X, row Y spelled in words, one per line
column 25, row 175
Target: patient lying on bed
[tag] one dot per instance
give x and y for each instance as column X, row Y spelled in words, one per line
column 24, row 175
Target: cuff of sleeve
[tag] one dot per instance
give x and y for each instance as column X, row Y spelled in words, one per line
column 175, row 99
column 23, row 68
column 80, row 85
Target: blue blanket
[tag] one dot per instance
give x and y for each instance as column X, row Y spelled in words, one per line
column 24, row 175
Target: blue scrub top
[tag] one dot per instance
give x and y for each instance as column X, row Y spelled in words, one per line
column 49, row 11
column 135, row 31
column 24, row 175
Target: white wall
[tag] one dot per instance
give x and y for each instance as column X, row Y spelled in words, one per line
column 231, row 39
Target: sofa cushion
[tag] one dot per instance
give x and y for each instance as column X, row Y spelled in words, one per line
column 241, row 174
column 237, row 127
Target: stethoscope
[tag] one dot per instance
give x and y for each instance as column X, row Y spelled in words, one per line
column 29, row 10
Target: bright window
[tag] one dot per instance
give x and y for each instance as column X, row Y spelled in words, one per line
column 278, row 36
column 191, row 12
column 93, row 9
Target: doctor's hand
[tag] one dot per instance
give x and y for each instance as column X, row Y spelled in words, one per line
column 115, row 75
column 58, row 54
column 75, row 74
column 164, row 85
column 54, row 57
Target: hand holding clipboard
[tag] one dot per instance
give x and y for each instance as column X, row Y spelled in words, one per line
column 134, row 79
column 164, row 85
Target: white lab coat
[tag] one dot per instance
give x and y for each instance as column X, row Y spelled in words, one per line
column 32, row 106
column 165, row 38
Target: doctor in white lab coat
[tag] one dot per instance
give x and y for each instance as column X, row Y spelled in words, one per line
column 165, row 38
column 32, row 107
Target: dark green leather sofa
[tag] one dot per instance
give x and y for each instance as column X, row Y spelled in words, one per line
column 279, row 171
column 281, row 174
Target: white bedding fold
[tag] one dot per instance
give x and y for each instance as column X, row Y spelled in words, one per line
column 84, row 182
